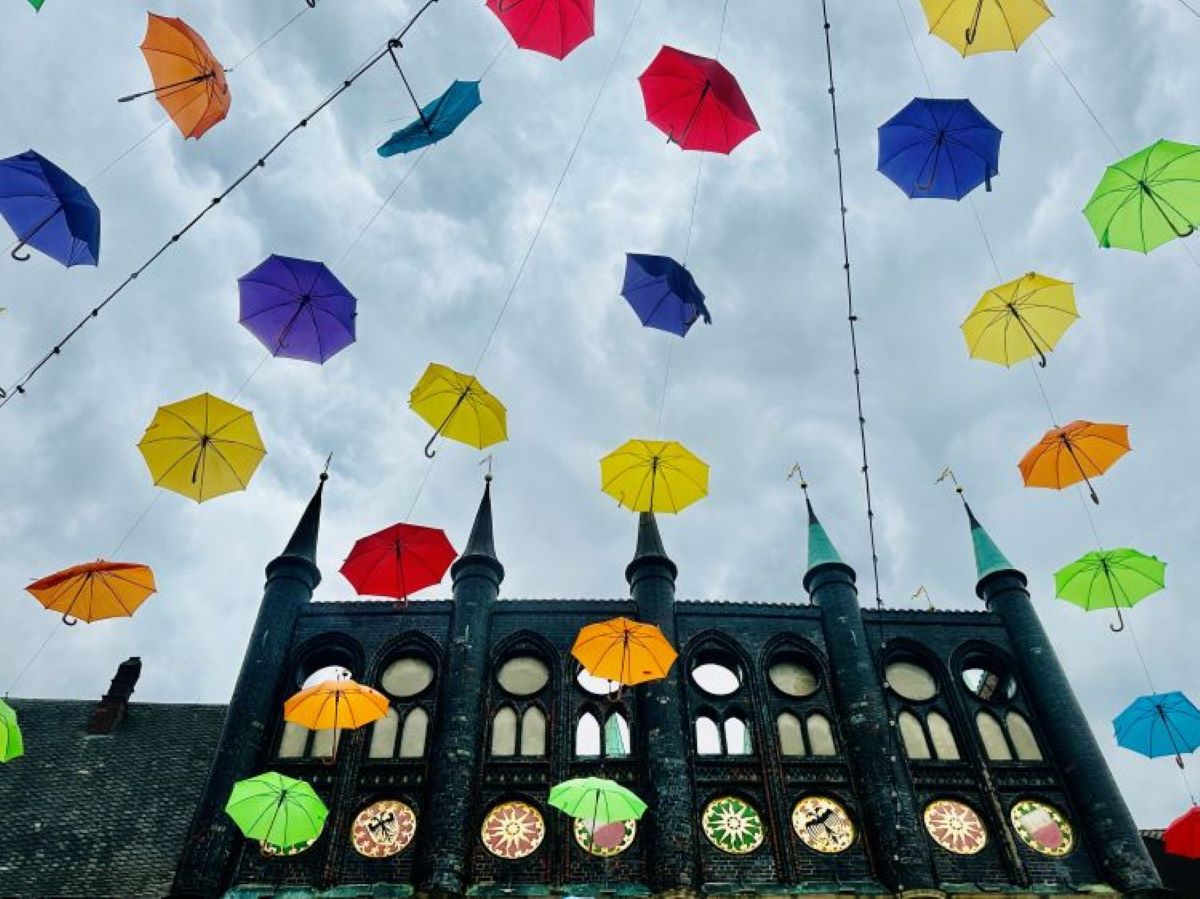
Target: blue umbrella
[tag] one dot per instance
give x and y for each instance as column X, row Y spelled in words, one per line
column 1159, row 724
column 48, row 210
column 939, row 149
column 663, row 293
column 437, row 119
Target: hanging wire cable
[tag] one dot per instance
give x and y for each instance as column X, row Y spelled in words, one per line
column 1071, row 84
column 270, row 37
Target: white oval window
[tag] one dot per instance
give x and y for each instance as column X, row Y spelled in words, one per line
column 793, row 678
column 911, row 681
column 523, row 676
column 406, row 677
column 716, row 679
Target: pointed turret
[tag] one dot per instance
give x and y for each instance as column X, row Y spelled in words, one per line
column 481, row 545
column 303, row 544
column 649, row 548
column 821, row 551
column 988, row 558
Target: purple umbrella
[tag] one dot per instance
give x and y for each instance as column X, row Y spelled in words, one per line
column 297, row 308
column 663, row 293
column 48, row 210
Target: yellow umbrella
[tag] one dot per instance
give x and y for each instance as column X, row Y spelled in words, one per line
column 1020, row 319
column 335, row 705
column 202, row 447
column 654, row 476
column 984, row 26
column 459, row 407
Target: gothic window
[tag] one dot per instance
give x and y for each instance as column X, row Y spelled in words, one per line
column 716, row 673
column 294, row 741
column 945, row 747
column 587, row 735
column 412, row 737
column 523, row 675
column 911, row 681
column 737, row 737
column 533, row 732
column 406, row 677
column 297, row 741
column 403, row 732
column 987, row 680
column 504, row 732
column 995, row 746
column 791, row 741
column 324, row 744
column 708, row 736
column 383, row 736
column 820, row 735
column 1022, row 738
column 616, row 736
column 913, row 735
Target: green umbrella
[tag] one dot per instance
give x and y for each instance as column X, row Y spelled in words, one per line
column 597, row 800
column 11, row 744
column 276, row 810
column 36, row 4
column 1147, row 199
column 1110, row 579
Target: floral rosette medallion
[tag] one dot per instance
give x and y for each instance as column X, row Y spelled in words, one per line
column 955, row 827
column 732, row 825
column 823, row 824
column 383, row 829
column 1042, row 828
column 604, row 840
column 513, row 830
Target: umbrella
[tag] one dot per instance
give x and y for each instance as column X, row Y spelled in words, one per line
column 436, row 121
column 663, row 293
column 36, row 4
column 335, row 705
column 11, row 743
column 1182, row 836
column 95, row 590
column 1109, row 579
column 696, row 102
column 297, row 308
column 398, row 560
column 459, row 407
column 624, row 651
column 48, row 210
column 276, row 810
column 654, row 476
column 555, row 28
column 941, row 149
column 189, row 82
column 1016, row 320
column 597, row 800
column 984, row 26
column 1073, row 453
column 1159, row 724
column 202, row 447
column 1148, row 198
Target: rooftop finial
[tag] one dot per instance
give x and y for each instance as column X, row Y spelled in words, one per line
column 821, row 550
column 988, row 558
column 303, row 544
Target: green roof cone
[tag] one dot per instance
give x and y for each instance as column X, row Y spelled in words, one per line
column 820, row 548
column 988, row 558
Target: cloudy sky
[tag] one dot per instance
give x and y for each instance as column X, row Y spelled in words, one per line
column 767, row 385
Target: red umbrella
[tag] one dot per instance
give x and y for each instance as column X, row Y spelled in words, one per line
column 696, row 102
column 1183, row 836
column 553, row 27
column 398, row 561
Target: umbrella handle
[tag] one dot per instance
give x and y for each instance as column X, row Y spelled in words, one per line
column 1191, row 229
column 972, row 32
column 16, row 253
column 430, row 452
column 312, row 4
column 69, row 621
column 1120, row 625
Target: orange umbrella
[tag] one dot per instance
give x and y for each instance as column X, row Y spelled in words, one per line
column 336, row 705
column 1073, row 453
column 624, row 651
column 189, row 82
column 95, row 590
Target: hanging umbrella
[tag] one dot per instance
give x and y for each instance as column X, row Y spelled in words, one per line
column 555, row 28
column 436, row 121
column 624, row 651
column 654, row 476
column 939, row 149
column 11, row 742
column 663, row 293
column 202, row 447
column 1148, row 198
column 597, row 800
column 1182, row 836
column 1159, row 724
column 297, row 308
column 277, row 811
column 189, row 82
column 1020, row 319
column 1110, row 579
column 36, row 4
column 48, row 210
column 335, row 705
column 984, row 26
column 95, row 590
column 458, row 407
column 398, row 560
column 696, row 102
column 1073, row 453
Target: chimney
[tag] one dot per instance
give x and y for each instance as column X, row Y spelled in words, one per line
column 110, row 710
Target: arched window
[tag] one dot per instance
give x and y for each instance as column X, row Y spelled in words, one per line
column 504, row 732
column 945, row 747
column 708, row 736
column 533, row 732
column 383, row 736
column 616, row 736
column 294, row 741
column 913, row 735
column 791, row 742
column 995, row 747
column 820, row 735
column 412, row 738
column 324, row 744
column 737, row 737
column 587, row 735
column 1023, row 739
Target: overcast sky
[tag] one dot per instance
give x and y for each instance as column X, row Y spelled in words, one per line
column 767, row 385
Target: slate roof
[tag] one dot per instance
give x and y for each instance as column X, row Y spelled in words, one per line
column 101, row 816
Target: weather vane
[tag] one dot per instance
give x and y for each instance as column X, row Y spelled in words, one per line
column 922, row 591
column 795, row 472
column 948, row 472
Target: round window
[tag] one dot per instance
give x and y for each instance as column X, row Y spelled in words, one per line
column 911, row 681
column 716, row 677
column 793, row 677
column 406, row 677
column 383, row 828
column 513, row 830
column 604, row 840
column 732, row 825
column 327, row 673
column 1042, row 828
column 523, row 675
column 988, row 681
column 955, row 827
column 597, row 686
column 823, row 824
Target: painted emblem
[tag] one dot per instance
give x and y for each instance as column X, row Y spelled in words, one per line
column 383, row 828
column 732, row 825
column 1042, row 828
column 955, row 827
column 823, row 824
column 604, row 840
column 513, row 830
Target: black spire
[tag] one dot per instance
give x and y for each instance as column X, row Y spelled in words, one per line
column 649, row 546
column 481, row 544
column 303, row 544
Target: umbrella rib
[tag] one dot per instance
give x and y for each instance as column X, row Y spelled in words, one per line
column 233, row 471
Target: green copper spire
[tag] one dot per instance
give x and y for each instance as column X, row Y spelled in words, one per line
column 821, row 550
column 988, row 558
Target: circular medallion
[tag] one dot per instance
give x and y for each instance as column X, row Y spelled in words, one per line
column 1042, row 827
column 955, row 827
column 732, row 825
column 823, row 824
column 383, row 828
column 283, row 851
column 513, row 830
column 605, row 840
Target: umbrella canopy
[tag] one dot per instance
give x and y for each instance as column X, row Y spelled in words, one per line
column 1110, row 579
column 1076, row 452
column 597, row 800
column 95, row 590
column 459, row 407
column 1159, row 724
column 939, row 149
column 202, row 447
column 624, row 651
column 1182, row 836
column 553, row 27
column 48, row 210
column 663, row 293
column 36, row 4
column 277, row 811
column 437, row 120
column 696, row 102
column 654, row 476
column 11, row 742
column 1020, row 319
column 398, row 560
column 984, row 26
column 1148, row 198
column 189, row 82
column 297, row 308
column 335, row 705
